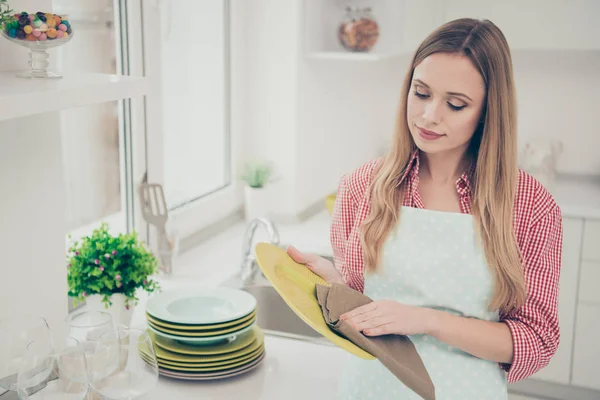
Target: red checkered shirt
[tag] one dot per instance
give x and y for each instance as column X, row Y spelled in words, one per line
column 538, row 229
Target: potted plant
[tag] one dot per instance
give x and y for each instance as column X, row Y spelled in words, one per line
column 256, row 175
column 106, row 271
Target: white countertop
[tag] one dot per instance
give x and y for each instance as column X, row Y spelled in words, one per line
column 291, row 370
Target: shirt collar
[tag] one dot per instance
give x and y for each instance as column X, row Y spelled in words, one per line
column 463, row 184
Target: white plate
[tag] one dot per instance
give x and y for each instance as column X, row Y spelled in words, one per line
column 203, row 341
column 201, row 306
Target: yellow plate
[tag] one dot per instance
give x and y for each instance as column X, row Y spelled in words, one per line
column 162, row 354
column 330, row 202
column 247, row 357
column 217, row 332
column 210, row 369
column 296, row 284
column 242, row 341
column 163, row 324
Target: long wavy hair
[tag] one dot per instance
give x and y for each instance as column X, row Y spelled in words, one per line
column 494, row 150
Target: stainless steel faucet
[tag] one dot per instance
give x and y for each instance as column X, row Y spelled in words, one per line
column 249, row 266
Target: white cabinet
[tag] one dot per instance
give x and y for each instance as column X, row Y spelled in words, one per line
column 586, row 354
column 537, row 24
column 559, row 368
column 586, row 350
column 588, row 283
column 591, row 240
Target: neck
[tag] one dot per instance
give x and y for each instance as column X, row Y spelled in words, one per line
column 443, row 168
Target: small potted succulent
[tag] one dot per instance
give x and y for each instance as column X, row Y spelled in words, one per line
column 256, row 175
column 106, row 271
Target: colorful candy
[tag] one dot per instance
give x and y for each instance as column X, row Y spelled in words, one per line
column 36, row 27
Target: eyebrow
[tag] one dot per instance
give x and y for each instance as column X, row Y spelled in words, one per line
column 450, row 93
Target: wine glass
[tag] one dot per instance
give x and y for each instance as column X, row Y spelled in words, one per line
column 16, row 333
column 130, row 366
column 87, row 327
column 60, row 375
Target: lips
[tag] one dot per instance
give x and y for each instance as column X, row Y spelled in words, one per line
column 427, row 134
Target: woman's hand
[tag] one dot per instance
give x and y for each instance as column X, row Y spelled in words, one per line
column 386, row 317
column 319, row 265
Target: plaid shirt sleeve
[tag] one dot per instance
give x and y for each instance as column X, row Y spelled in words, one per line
column 342, row 219
column 535, row 326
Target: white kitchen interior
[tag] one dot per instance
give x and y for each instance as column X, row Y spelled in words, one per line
column 185, row 92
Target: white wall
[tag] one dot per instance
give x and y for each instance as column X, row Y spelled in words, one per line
column 32, row 206
column 336, row 115
column 558, row 97
column 270, row 60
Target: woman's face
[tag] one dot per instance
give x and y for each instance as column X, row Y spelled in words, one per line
column 445, row 103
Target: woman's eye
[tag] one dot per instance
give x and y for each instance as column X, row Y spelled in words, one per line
column 455, row 108
column 421, row 95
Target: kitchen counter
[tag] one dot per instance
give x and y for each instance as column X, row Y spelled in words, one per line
column 292, row 369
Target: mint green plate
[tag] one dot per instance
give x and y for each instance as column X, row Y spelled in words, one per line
column 202, row 341
column 201, row 306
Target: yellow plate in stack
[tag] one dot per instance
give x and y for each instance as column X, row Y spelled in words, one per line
column 240, row 343
column 184, row 327
column 296, row 284
column 242, row 346
column 209, row 367
column 204, row 333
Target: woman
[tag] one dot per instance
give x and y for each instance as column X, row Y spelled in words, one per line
column 458, row 248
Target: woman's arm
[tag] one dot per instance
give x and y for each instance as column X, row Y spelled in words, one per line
column 483, row 339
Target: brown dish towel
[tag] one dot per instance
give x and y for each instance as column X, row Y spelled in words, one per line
column 396, row 352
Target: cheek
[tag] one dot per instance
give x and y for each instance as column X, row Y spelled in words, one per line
column 463, row 124
column 414, row 108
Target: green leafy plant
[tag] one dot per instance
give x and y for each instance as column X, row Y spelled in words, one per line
column 256, row 174
column 5, row 12
column 105, row 264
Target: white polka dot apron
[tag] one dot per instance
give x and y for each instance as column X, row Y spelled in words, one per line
column 431, row 259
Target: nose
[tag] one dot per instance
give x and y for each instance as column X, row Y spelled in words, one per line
column 433, row 112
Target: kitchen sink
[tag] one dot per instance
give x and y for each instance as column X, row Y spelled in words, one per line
column 273, row 315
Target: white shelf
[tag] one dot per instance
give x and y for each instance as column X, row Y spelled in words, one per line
column 23, row 97
column 349, row 56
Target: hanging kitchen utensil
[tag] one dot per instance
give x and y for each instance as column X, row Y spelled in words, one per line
column 155, row 212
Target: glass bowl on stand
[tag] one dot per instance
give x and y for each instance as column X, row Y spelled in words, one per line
column 38, row 32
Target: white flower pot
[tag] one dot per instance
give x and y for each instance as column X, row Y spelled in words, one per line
column 120, row 314
column 256, row 202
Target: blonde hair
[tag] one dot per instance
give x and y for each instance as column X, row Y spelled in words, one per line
column 494, row 148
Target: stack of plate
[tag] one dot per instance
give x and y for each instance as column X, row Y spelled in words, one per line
column 202, row 334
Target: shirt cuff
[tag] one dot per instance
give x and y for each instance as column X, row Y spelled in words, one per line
column 525, row 352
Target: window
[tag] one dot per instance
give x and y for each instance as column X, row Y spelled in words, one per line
column 97, row 151
column 194, row 101
column 187, row 121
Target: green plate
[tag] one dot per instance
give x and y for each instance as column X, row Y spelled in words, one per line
column 247, row 357
column 211, row 369
column 201, row 306
column 241, row 342
column 193, row 334
column 202, row 341
column 187, row 327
